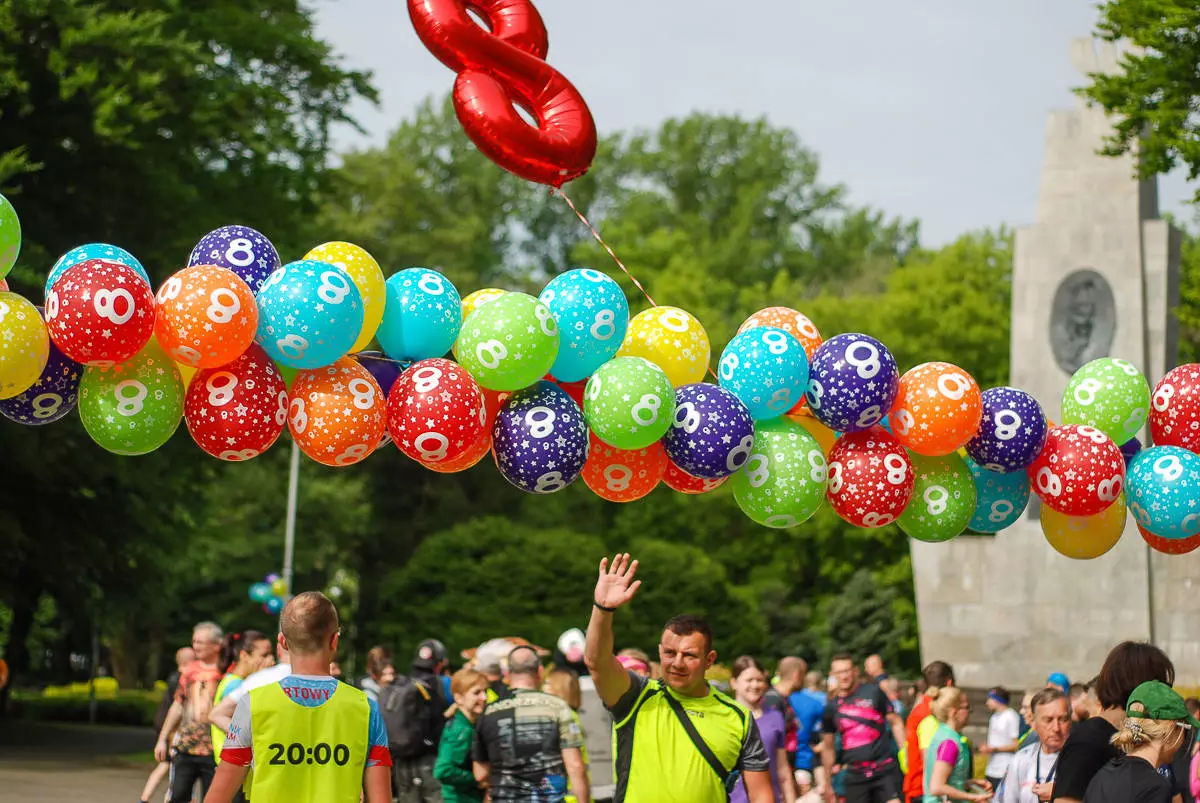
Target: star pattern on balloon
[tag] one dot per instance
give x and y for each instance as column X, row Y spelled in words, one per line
column 1080, row 472
column 767, row 369
column 623, row 475
column 337, row 414
column 937, row 410
column 436, row 412
column 367, row 276
column 1001, row 498
column 1012, row 430
column 1109, row 394
column 52, row 396
column 24, row 344
column 711, row 432
column 85, row 253
column 509, row 343
column 245, row 251
column 540, row 439
column 680, row 481
column 943, row 498
column 422, row 315
column 671, row 338
column 1164, row 491
column 784, row 479
column 100, row 312
column 206, row 316
column 852, row 382
column 592, row 315
column 309, row 314
column 134, row 407
column 797, row 324
column 237, row 411
column 1175, row 409
column 870, row 478
column 628, row 402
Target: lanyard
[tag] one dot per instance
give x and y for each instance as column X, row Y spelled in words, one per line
column 1037, row 769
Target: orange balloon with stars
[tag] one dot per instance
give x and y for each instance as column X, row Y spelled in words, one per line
column 206, row 316
column 623, row 475
column 797, row 324
column 937, row 410
column 337, row 414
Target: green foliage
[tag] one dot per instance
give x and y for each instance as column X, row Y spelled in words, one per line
column 862, row 619
column 1188, row 311
column 1154, row 95
column 125, row 708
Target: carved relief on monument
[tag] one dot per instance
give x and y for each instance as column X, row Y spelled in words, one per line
column 1083, row 321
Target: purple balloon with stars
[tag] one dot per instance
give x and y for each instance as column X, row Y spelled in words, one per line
column 712, row 433
column 51, row 397
column 853, row 381
column 540, row 440
column 245, row 251
column 1012, row 431
column 385, row 370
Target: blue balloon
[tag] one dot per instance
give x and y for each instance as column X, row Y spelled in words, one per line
column 592, row 316
column 52, row 397
column 1164, row 491
column 94, row 251
column 422, row 315
column 260, row 592
column 1012, row 431
column 309, row 314
column 767, row 369
column 711, row 435
column 852, row 382
column 1000, row 498
column 273, row 605
column 243, row 250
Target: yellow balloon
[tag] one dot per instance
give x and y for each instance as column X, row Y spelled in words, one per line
column 367, row 276
column 279, row 587
column 825, row 436
column 24, row 345
column 186, row 372
column 1084, row 537
column 479, row 298
column 673, row 340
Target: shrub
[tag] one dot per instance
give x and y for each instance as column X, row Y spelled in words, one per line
column 112, row 708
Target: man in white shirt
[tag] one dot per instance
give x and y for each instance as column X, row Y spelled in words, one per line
column 222, row 713
column 1004, row 732
column 1030, row 776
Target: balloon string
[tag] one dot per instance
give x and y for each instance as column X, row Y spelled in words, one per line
column 599, row 239
column 611, row 253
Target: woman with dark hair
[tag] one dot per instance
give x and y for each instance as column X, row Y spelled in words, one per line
column 749, row 683
column 379, row 662
column 242, row 654
column 1089, row 746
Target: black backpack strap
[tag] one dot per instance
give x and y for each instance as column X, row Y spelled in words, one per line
column 698, row 740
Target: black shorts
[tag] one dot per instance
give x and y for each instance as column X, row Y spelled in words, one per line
column 881, row 787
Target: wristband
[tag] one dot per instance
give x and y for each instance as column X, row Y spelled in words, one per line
column 603, row 608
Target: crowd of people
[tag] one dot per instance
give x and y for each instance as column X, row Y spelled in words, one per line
column 252, row 716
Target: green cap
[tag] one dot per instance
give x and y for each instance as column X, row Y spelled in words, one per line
column 1159, row 701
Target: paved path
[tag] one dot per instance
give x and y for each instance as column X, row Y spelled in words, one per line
column 69, row 763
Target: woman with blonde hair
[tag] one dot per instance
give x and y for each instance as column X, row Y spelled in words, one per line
column 563, row 683
column 1157, row 726
column 454, row 767
column 947, row 759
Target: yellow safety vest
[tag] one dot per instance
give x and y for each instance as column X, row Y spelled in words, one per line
column 218, row 735
column 309, row 754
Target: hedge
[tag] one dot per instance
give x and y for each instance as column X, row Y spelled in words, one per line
column 113, row 708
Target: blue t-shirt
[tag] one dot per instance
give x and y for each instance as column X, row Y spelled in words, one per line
column 809, row 708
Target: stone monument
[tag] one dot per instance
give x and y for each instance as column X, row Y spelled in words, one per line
column 1097, row 274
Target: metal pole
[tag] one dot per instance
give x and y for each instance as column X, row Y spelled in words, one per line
column 289, row 533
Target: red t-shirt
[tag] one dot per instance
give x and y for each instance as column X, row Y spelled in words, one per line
column 914, row 779
column 197, row 687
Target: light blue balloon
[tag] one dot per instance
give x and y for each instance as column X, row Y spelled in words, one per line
column 422, row 316
column 260, row 592
column 1164, row 491
column 592, row 316
column 94, row 251
column 767, row 369
column 1000, row 498
column 309, row 314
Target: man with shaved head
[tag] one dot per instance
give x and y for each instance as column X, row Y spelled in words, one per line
column 789, row 677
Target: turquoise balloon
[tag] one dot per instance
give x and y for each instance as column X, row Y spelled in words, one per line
column 1000, row 499
column 94, row 251
column 592, row 316
column 767, row 369
column 10, row 236
column 260, row 592
column 422, row 315
column 1164, row 491
column 309, row 314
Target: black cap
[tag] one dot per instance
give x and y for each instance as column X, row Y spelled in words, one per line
column 429, row 654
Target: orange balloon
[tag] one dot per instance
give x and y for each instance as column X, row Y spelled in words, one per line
column 789, row 320
column 206, row 316
column 337, row 414
column 679, row 480
column 1169, row 546
column 622, row 475
column 937, row 410
column 492, row 401
column 825, row 436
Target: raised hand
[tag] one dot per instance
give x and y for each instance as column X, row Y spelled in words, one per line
column 616, row 585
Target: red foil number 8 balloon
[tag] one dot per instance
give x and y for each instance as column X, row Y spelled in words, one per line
column 506, row 66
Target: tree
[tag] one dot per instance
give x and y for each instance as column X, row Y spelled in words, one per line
column 1155, row 94
column 862, row 620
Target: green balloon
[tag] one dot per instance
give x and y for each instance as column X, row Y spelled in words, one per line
column 1110, row 395
column 508, row 343
column 943, row 499
column 135, row 407
column 288, row 373
column 629, row 402
column 10, row 236
column 782, row 482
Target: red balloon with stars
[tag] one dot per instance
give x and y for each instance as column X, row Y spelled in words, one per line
column 1169, row 546
column 237, row 411
column 1080, row 472
column 870, row 478
column 679, row 480
column 623, row 475
column 1175, row 409
column 100, row 312
column 493, row 400
column 436, row 412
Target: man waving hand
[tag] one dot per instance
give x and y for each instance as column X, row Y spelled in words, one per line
column 693, row 743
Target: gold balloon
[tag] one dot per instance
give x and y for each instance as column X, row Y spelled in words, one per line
column 673, row 340
column 1084, row 537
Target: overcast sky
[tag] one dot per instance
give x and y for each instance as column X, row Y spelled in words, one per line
column 933, row 109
